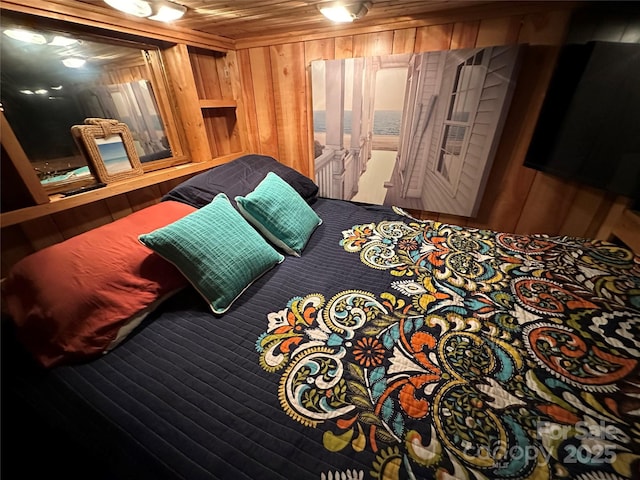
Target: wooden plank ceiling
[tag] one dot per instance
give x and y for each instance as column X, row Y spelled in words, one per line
column 244, row 19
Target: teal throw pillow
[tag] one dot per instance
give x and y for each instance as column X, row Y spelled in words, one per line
column 280, row 213
column 216, row 250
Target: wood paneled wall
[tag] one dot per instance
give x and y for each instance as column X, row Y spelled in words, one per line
column 277, row 96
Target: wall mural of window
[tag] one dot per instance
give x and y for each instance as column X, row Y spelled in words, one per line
column 418, row 131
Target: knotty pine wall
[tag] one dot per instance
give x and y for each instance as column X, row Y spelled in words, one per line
column 277, row 99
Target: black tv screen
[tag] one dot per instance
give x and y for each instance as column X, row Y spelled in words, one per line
column 589, row 125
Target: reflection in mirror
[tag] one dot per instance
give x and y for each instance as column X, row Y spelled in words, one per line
column 51, row 80
column 132, row 103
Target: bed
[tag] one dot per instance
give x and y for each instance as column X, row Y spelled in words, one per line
column 389, row 348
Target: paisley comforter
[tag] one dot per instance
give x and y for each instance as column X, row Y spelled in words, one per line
column 491, row 355
column 391, row 349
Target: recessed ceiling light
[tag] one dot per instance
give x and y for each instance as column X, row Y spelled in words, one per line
column 41, row 91
column 26, row 92
column 59, row 87
column 25, row 35
column 73, row 62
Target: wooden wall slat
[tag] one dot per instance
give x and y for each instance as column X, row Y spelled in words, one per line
column 175, row 134
column 165, row 187
column 433, row 38
column 614, row 216
column 232, row 65
column 248, row 93
column 223, row 67
column 264, row 102
column 289, row 86
column 81, row 219
column 42, row 232
column 544, row 28
column 319, row 50
column 404, row 41
column 372, row 44
column 587, row 205
column 599, row 217
column 139, row 199
column 186, row 95
column 499, row 31
column 547, row 205
column 464, row 35
column 119, row 206
column 344, row 47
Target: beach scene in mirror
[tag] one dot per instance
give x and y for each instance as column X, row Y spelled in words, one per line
column 113, row 154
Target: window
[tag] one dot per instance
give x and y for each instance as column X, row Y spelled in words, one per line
column 456, row 129
column 52, row 79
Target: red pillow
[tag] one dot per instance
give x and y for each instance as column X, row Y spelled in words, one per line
column 78, row 298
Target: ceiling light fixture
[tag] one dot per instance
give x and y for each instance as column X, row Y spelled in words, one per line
column 73, row 62
column 159, row 10
column 139, row 8
column 167, row 11
column 341, row 12
column 61, row 41
column 25, row 35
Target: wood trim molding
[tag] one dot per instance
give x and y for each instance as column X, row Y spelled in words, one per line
column 103, row 18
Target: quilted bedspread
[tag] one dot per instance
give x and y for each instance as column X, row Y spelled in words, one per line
column 391, row 349
column 490, row 355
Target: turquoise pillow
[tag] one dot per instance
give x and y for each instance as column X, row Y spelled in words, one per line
column 280, row 213
column 216, row 250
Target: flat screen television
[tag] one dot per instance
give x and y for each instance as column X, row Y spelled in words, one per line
column 589, row 125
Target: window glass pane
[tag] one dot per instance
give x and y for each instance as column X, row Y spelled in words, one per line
column 51, row 80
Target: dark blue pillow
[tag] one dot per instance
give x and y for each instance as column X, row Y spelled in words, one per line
column 237, row 179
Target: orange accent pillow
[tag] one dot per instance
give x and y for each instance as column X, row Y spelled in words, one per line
column 77, row 299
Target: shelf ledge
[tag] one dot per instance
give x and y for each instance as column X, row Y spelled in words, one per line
column 224, row 103
column 58, row 203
